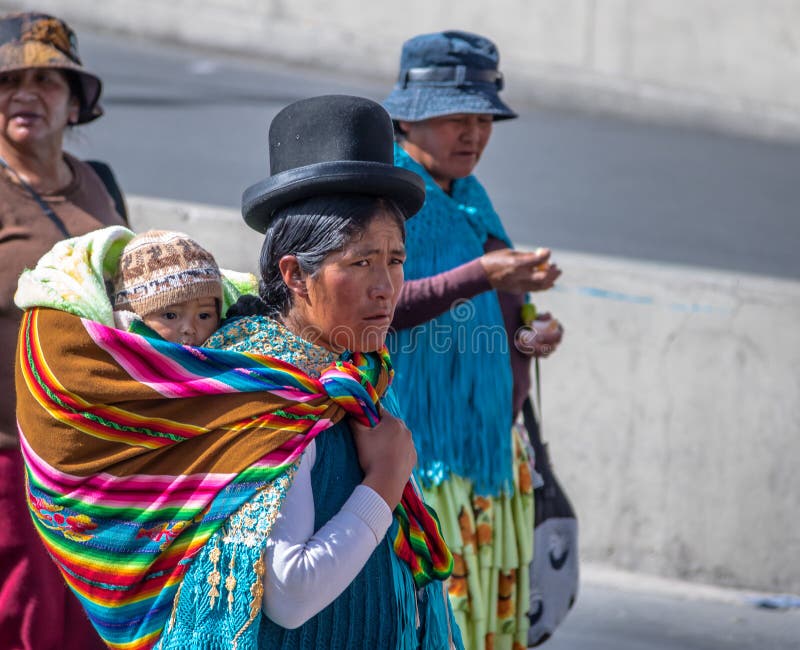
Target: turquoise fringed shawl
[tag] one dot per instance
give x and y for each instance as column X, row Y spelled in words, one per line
column 463, row 352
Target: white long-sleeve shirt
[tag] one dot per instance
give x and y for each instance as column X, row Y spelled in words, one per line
column 306, row 569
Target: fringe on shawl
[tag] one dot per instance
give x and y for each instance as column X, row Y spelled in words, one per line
column 453, row 374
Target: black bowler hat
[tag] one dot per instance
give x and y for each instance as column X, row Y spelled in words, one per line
column 329, row 145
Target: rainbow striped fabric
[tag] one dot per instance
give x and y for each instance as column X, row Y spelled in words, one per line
column 137, row 450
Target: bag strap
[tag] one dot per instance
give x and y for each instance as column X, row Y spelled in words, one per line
column 541, row 461
column 538, row 391
column 533, row 425
column 106, row 174
column 48, row 211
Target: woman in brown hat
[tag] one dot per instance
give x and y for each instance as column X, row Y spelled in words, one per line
column 45, row 195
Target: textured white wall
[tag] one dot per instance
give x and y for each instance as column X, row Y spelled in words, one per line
column 672, row 408
column 673, row 411
column 728, row 63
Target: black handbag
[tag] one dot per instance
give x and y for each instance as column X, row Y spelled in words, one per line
column 554, row 575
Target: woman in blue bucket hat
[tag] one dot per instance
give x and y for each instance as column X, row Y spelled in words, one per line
column 459, row 330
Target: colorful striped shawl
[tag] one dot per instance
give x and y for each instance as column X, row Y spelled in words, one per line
column 137, row 450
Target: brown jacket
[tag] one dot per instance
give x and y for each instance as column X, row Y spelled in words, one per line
column 26, row 234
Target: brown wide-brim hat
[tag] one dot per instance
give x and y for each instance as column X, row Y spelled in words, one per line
column 36, row 40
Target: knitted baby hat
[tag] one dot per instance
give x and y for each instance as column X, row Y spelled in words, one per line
column 160, row 268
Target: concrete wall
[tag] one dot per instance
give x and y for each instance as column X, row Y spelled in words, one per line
column 732, row 64
column 672, row 408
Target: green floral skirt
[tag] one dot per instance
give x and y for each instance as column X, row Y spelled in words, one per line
column 492, row 543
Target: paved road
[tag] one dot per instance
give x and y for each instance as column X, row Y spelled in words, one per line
column 193, row 126
column 611, row 619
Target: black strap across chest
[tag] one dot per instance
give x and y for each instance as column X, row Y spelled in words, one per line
column 48, row 211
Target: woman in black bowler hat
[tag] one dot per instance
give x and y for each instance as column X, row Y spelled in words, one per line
column 461, row 329
column 326, row 550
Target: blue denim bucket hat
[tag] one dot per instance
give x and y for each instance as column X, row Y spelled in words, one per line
column 445, row 73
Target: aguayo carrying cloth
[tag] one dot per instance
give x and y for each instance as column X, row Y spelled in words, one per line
column 137, row 450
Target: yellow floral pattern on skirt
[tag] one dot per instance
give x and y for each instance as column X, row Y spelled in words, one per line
column 492, row 544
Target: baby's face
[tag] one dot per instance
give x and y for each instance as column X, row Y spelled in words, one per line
column 188, row 323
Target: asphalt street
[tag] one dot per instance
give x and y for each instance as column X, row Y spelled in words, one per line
column 189, row 125
column 627, row 617
column 192, row 126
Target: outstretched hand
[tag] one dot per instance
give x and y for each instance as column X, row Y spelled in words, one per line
column 515, row 271
column 387, row 456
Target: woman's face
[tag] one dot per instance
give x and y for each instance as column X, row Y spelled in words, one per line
column 35, row 107
column 349, row 303
column 448, row 147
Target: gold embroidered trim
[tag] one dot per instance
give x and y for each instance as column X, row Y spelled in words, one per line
column 214, row 578
column 230, row 581
column 252, row 523
column 174, row 608
column 271, row 338
column 257, row 592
